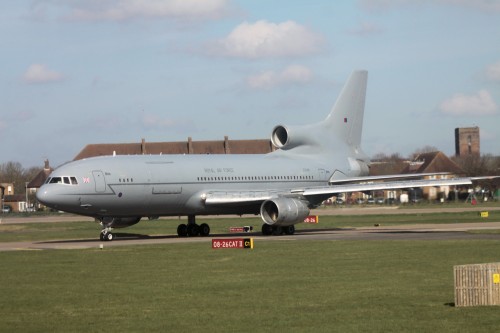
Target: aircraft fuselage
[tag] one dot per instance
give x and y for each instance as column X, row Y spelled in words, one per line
column 163, row 185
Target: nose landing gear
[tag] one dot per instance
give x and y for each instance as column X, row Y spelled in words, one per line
column 106, row 235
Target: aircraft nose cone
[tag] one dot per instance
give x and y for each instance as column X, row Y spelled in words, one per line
column 45, row 196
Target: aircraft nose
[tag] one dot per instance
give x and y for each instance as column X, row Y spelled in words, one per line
column 44, row 196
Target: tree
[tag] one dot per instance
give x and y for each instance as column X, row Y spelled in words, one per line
column 474, row 165
column 383, row 164
column 13, row 172
column 423, row 150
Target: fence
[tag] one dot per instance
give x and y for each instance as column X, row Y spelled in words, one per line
column 477, row 284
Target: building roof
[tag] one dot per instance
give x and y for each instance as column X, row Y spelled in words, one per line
column 225, row 146
column 40, row 178
column 433, row 162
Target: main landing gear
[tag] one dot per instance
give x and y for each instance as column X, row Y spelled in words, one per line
column 192, row 229
column 277, row 230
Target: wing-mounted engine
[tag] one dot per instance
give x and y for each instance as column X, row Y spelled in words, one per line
column 288, row 137
column 283, row 211
column 119, row 222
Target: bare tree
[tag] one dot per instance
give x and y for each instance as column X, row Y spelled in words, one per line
column 423, row 150
column 13, row 172
column 474, row 165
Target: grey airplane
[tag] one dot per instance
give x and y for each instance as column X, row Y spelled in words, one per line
column 311, row 164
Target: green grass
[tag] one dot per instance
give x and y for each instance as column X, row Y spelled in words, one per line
column 292, row 286
column 90, row 230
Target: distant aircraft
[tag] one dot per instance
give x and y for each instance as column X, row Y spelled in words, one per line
column 312, row 163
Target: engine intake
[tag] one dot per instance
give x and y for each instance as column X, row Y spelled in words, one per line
column 288, row 137
column 283, row 211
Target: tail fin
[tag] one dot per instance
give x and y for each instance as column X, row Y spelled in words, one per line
column 346, row 117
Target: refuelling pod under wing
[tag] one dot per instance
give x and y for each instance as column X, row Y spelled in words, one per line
column 119, row 222
column 283, row 211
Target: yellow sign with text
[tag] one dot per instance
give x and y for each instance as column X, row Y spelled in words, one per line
column 496, row 278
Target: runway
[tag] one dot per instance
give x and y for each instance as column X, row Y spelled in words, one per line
column 412, row 232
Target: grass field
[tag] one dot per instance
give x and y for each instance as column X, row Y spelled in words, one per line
column 306, row 286
column 292, row 286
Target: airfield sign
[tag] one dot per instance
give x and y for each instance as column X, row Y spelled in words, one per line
column 232, row 243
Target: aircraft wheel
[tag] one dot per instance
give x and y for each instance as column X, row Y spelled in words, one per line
column 182, row 230
column 277, row 230
column 107, row 236
column 204, row 230
column 267, row 229
column 289, row 230
column 101, row 236
column 193, row 230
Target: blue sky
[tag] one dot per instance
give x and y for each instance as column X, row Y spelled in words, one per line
column 91, row 71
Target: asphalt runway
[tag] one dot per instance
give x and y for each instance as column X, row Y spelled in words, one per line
column 406, row 232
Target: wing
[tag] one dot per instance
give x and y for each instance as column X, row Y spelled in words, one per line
column 388, row 185
column 363, row 184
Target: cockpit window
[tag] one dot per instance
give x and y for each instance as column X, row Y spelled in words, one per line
column 62, row 180
column 55, row 180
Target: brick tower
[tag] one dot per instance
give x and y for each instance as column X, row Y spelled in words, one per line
column 467, row 141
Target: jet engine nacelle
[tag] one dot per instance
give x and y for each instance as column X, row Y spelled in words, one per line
column 288, row 137
column 120, row 222
column 283, row 211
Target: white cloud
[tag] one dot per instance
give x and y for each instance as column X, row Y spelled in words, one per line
column 39, row 73
column 493, row 72
column 264, row 39
column 480, row 104
column 269, row 79
column 484, row 5
column 120, row 10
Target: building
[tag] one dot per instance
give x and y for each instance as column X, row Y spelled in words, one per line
column 41, row 177
column 225, row 146
column 467, row 141
column 437, row 163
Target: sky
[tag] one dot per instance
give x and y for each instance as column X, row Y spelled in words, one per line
column 76, row 72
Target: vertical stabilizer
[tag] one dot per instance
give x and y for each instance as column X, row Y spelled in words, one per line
column 346, row 117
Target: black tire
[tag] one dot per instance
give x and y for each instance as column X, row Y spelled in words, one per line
column 289, row 229
column 204, row 230
column 182, row 230
column 267, row 229
column 193, row 230
column 109, row 236
column 277, row 230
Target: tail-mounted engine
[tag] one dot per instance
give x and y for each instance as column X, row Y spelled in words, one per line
column 288, row 137
column 283, row 211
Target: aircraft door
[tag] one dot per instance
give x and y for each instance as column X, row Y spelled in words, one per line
column 99, row 180
column 322, row 174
